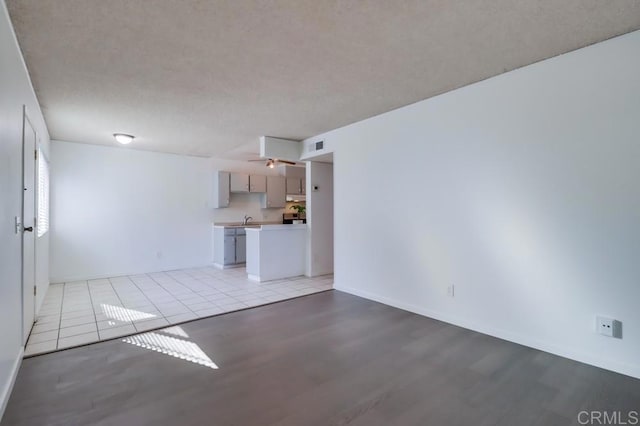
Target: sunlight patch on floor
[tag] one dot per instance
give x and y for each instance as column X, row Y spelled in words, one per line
column 123, row 314
column 176, row 331
column 178, row 348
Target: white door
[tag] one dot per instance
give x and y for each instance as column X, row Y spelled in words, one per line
column 28, row 226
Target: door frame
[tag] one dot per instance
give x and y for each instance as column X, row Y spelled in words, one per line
column 27, row 121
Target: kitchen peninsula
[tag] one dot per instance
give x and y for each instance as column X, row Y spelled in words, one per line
column 276, row 251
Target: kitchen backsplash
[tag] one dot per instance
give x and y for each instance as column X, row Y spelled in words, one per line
column 249, row 204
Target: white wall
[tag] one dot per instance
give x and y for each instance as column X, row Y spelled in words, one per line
column 16, row 91
column 521, row 190
column 320, row 218
column 284, row 149
column 120, row 211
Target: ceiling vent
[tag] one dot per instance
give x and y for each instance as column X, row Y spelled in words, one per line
column 317, row 146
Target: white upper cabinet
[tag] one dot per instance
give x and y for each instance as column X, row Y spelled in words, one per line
column 221, row 190
column 239, row 182
column 293, row 186
column 257, row 183
column 296, row 186
column 242, row 182
column 274, row 188
column 276, row 196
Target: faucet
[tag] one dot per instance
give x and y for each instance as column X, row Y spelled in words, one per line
column 246, row 219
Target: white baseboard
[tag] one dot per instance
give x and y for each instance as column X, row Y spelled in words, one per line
column 8, row 387
column 320, row 274
column 234, row 265
column 632, row 370
column 43, row 288
column 259, row 279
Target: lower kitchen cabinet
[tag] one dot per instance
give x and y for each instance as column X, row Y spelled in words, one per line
column 229, row 246
column 241, row 246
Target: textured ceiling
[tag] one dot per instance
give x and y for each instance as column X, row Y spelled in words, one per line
column 209, row 77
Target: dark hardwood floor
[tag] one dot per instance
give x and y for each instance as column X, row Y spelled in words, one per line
column 324, row 359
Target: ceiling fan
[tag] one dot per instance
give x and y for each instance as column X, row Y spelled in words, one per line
column 272, row 162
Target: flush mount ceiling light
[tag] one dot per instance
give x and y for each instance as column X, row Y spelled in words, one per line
column 123, row 138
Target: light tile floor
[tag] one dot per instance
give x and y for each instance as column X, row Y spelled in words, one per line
column 81, row 312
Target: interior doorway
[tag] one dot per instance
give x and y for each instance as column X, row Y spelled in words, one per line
column 320, row 212
column 29, row 157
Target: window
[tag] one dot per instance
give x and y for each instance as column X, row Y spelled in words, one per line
column 43, row 194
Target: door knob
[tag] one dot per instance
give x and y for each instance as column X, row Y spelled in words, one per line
column 28, row 228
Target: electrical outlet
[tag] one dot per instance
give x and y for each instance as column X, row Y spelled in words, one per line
column 608, row 327
column 451, row 291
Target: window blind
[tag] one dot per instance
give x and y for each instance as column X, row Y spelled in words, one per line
column 43, row 194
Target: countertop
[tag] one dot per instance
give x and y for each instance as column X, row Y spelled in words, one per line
column 264, row 226
column 240, row 225
column 279, row 227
